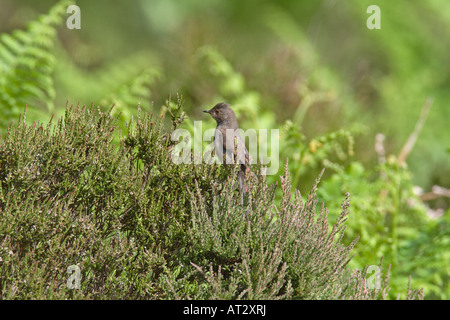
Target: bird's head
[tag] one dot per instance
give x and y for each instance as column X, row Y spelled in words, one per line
column 221, row 112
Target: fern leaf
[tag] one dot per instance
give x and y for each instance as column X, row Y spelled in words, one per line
column 27, row 63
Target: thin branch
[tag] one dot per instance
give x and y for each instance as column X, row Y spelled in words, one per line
column 436, row 192
column 409, row 145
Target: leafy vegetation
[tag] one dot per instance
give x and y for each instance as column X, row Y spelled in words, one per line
column 138, row 228
column 27, row 62
column 94, row 188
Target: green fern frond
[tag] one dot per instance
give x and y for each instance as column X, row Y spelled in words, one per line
column 126, row 82
column 27, row 64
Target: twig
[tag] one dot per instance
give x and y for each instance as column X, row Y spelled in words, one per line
column 436, row 192
column 379, row 148
column 415, row 134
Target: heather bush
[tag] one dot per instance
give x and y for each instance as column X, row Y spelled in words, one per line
column 140, row 227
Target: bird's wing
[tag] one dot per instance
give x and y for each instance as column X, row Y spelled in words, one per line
column 243, row 156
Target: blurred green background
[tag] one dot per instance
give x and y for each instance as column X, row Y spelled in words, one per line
column 311, row 68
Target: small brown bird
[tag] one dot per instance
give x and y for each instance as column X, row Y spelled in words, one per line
column 227, row 123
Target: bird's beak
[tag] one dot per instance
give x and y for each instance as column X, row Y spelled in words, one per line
column 207, row 111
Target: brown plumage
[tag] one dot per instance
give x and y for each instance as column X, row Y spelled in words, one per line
column 227, row 124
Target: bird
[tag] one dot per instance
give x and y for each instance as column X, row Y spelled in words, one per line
column 229, row 145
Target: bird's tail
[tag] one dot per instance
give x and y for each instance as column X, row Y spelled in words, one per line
column 242, row 189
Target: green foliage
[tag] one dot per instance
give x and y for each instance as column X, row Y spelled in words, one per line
column 255, row 252
column 392, row 223
column 29, row 66
column 140, row 227
column 27, row 63
column 79, row 193
column 91, row 205
column 123, row 83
